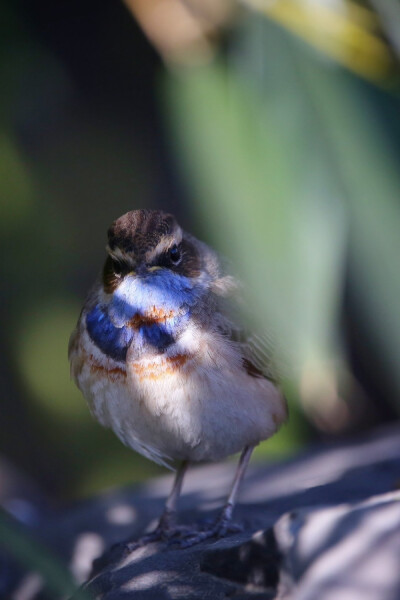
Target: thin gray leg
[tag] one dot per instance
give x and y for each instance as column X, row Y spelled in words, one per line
column 166, row 527
column 166, row 522
column 227, row 511
column 223, row 524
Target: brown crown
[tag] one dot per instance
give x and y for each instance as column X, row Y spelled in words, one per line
column 138, row 231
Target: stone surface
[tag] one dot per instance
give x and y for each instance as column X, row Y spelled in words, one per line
column 350, row 551
column 321, row 526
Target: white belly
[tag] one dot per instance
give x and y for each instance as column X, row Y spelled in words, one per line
column 194, row 405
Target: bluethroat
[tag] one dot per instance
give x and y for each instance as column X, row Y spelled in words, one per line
column 160, row 360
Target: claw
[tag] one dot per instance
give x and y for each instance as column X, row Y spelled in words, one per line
column 162, row 533
column 221, row 528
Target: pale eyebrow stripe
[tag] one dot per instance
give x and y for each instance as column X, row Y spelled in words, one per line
column 164, row 245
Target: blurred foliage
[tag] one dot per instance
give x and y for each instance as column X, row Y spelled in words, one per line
column 67, row 170
column 43, row 343
column 347, row 31
column 285, row 159
column 290, row 163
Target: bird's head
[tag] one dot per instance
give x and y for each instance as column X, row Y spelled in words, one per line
column 153, row 268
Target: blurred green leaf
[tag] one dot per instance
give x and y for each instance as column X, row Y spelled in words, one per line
column 41, row 351
column 366, row 164
column 252, row 152
column 292, row 172
column 347, row 32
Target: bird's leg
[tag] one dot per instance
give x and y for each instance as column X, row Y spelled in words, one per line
column 166, row 527
column 166, row 524
column 223, row 524
column 226, row 514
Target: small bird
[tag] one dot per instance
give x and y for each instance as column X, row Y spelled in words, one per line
column 160, row 360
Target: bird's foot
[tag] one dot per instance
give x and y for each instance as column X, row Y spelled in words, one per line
column 159, row 534
column 220, row 528
column 166, row 530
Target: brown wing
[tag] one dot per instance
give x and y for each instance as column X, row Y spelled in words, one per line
column 257, row 351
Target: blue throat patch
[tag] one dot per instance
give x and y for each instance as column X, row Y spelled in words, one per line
column 171, row 293
column 112, row 341
column 115, row 341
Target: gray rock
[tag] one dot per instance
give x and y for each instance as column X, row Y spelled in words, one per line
column 350, row 551
column 323, row 525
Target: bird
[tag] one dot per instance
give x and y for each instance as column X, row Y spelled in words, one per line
column 161, row 358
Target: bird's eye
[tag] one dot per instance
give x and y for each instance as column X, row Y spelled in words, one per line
column 117, row 268
column 174, row 254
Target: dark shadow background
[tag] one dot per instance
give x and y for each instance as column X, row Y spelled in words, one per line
column 85, row 144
